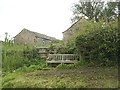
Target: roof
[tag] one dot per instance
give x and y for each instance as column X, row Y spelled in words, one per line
column 38, row 35
column 74, row 24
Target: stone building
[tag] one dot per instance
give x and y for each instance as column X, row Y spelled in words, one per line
column 29, row 37
column 71, row 31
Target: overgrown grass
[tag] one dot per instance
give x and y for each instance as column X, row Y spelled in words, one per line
column 15, row 56
column 72, row 66
column 82, row 77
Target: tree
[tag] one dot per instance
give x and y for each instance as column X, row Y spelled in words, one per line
column 109, row 12
column 119, row 15
column 90, row 9
column 118, row 31
column 94, row 10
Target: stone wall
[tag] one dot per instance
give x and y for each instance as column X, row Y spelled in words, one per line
column 24, row 37
column 28, row 37
column 73, row 30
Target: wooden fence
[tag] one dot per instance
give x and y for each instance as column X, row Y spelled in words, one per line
column 62, row 58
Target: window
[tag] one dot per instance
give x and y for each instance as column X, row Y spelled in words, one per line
column 43, row 41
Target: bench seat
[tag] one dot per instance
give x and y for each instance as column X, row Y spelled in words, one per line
column 60, row 61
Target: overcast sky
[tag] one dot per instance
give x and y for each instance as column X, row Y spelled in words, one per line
column 50, row 17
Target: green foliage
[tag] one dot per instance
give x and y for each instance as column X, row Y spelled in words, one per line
column 100, row 42
column 27, row 69
column 60, row 85
column 68, row 49
column 61, row 66
column 30, row 67
column 109, row 12
column 71, row 66
column 84, row 77
column 11, row 62
column 54, row 46
column 19, row 55
column 94, row 10
column 63, row 48
column 89, row 9
column 7, row 40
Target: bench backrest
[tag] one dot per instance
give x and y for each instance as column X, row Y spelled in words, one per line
column 63, row 57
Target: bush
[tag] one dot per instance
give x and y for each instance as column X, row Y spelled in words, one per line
column 69, row 48
column 62, row 48
column 100, row 43
column 70, row 66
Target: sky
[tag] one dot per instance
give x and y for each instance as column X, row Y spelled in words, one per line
column 49, row 17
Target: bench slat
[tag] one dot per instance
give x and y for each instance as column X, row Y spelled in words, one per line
column 59, row 61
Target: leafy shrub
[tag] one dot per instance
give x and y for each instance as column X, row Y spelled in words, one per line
column 69, row 48
column 70, row 66
column 62, row 48
column 100, row 42
column 31, row 68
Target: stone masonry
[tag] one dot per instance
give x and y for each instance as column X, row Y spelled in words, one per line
column 70, row 32
column 29, row 37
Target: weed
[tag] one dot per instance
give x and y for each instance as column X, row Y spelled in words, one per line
column 70, row 66
column 60, row 85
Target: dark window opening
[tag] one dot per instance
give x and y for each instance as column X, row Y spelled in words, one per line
column 43, row 41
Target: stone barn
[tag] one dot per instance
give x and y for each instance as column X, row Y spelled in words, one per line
column 71, row 31
column 29, row 37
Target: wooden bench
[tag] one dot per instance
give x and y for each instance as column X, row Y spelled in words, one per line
column 62, row 58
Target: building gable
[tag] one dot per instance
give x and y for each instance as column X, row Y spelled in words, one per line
column 71, row 31
column 30, row 37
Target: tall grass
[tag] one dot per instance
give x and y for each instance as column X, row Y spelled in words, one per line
column 18, row 55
